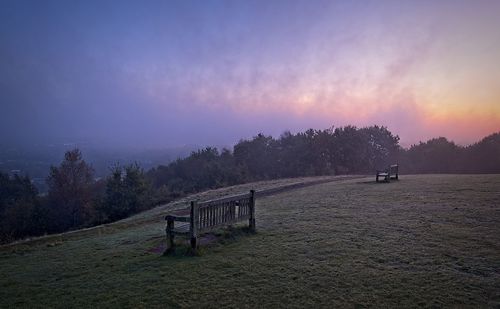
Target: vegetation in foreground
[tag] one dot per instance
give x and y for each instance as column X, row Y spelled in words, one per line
column 422, row 241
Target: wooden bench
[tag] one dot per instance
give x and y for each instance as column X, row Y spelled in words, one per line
column 390, row 173
column 210, row 215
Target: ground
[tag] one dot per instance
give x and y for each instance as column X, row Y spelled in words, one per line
column 422, row 241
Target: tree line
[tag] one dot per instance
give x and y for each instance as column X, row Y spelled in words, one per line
column 77, row 199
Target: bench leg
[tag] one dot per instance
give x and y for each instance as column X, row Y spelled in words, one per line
column 170, row 237
column 170, row 242
column 251, row 220
column 194, row 243
column 251, row 224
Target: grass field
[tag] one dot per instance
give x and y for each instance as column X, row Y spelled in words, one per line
column 424, row 241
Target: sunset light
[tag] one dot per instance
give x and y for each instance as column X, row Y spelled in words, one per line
column 422, row 69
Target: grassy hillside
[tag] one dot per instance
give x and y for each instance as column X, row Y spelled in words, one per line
column 423, row 241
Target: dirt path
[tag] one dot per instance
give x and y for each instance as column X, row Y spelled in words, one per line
column 281, row 189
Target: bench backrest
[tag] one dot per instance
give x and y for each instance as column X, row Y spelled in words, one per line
column 393, row 169
column 209, row 215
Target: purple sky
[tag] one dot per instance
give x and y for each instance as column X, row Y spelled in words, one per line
column 166, row 73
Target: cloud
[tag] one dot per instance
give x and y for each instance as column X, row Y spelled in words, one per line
column 187, row 73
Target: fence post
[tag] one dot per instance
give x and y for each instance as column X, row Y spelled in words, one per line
column 193, row 224
column 251, row 220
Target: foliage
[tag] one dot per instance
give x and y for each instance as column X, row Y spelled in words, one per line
column 346, row 150
column 203, row 169
column 70, row 191
column 483, row 157
column 75, row 199
column 127, row 192
column 20, row 212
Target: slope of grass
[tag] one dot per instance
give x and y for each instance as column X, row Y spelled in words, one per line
column 424, row 241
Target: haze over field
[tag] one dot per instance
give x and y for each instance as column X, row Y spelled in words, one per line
column 166, row 73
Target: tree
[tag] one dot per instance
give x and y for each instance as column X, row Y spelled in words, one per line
column 382, row 147
column 484, row 156
column 437, row 155
column 349, row 150
column 20, row 213
column 70, row 191
column 257, row 156
column 127, row 192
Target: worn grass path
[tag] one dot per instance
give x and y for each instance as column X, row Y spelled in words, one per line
column 421, row 242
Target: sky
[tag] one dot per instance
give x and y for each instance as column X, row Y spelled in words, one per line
column 169, row 73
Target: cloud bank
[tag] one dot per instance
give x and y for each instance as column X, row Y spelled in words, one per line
column 170, row 73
